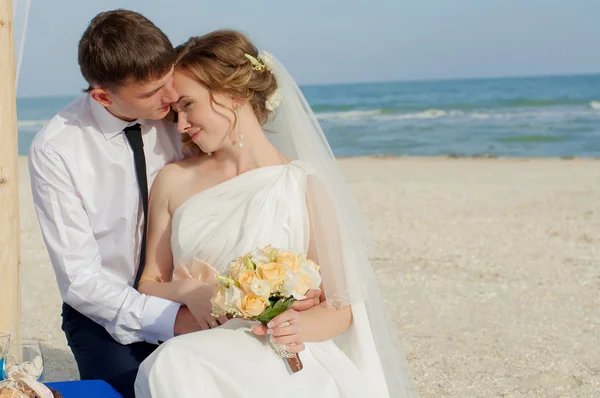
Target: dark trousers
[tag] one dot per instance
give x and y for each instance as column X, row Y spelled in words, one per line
column 99, row 356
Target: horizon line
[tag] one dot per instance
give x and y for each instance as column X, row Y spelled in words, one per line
column 416, row 80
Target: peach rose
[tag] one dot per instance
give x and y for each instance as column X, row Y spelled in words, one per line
column 271, row 272
column 251, row 305
column 245, row 279
column 236, row 269
column 289, row 260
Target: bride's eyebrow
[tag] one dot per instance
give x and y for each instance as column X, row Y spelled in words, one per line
column 176, row 105
column 182, row 98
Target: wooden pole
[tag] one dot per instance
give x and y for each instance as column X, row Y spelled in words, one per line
column 10, row 247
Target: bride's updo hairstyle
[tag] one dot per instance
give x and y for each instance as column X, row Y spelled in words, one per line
column 226, row 62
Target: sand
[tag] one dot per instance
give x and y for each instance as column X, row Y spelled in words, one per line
column 490, row 269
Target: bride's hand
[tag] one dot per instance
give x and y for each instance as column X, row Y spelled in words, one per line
column 197, row 299
column 285, row 329
column 313, row 297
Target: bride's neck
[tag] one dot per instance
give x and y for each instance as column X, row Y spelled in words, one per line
column 249, row 147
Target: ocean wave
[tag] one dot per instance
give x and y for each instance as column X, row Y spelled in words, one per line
column 396, row 109
column 349, row 114
column 384, row 114
column 433, row 114
column 426, row 114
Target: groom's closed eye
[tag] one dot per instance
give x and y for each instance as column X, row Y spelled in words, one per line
column 150, row 94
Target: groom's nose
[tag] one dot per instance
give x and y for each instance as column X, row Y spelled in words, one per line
column 170, row 95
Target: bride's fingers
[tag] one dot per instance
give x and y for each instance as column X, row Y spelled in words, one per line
column 259, row 330
column 302, row 305
column 292, row 338
column 222, row 320
column 290, row 329
column 288, row 316
column 312, row 299
column 314, row 294
column 298, row 347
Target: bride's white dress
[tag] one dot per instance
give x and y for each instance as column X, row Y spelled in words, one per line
column 260, row 207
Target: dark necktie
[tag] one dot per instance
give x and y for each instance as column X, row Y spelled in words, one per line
column 134, row 136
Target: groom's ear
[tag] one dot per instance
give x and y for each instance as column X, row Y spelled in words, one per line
column 101, row 96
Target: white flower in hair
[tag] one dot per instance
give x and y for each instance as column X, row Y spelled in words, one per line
column 267, row 60
column 273, row 100
column 263, row 62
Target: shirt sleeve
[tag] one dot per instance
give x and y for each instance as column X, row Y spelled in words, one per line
column 126, row 314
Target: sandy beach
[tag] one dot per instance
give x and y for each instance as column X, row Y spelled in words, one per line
column 490, row 269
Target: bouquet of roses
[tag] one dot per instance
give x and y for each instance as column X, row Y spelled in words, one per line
column 263, row 284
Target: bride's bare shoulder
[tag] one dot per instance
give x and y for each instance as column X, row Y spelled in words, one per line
column 179, row 180
column 176, row 171
column 175, row 176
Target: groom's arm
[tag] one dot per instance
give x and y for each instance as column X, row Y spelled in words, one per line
column 126, row 314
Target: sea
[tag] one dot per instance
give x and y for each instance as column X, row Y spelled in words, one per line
column 554, row 116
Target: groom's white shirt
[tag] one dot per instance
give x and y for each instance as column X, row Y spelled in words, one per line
column 89, row 209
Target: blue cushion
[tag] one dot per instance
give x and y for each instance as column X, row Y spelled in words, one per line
column 85, row 388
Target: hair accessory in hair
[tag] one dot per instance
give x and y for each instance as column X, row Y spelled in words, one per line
column 262, row 63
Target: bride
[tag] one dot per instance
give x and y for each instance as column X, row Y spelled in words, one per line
column 238, row 190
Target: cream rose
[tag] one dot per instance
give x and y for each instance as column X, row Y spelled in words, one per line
column 271, row 272
column 287, row 259
column 251, row 305
column 236, row 268
column 245, row 279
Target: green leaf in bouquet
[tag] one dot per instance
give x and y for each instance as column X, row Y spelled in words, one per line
column 225, row 281
column 279, row 307
column 249, row 264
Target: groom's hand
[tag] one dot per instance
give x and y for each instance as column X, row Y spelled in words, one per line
column 185, row 322
column 313, row 297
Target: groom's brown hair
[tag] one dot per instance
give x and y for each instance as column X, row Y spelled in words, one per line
column 120, row 46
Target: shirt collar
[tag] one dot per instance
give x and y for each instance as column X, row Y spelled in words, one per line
column 109, row 124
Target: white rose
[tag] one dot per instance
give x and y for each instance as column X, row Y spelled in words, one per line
column 261, row 288
column 232, row 295
column 258, row 257
column 290, row 286
column 308, row 270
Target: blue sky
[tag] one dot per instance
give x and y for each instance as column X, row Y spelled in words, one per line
column 334, row 41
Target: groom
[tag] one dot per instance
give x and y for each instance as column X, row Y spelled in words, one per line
column 91, row 168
